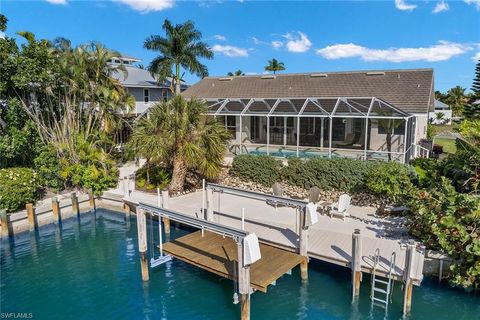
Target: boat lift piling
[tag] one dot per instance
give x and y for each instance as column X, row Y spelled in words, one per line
column 356, row 265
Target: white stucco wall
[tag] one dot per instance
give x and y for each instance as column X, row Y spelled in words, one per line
column 447, row 117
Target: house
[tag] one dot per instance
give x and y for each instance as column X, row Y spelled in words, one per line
column 141, row 84
column 143, row 87
column 359, row 114
column 442, row 113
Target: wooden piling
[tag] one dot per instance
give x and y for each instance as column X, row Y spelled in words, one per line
column 303, row 246
column 75, row 207
column 356, row 263
column 166, row 221
column 410, row 262
column 245, row 306
column 243, row 283
column 209, row 205
column 142, row 242
column 56, row 210
column 6, row 230
column 32, row 223
column 91, row 197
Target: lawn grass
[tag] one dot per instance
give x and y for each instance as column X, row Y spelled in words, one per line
column 448, row 144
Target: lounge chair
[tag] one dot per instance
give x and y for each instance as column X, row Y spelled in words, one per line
column 341, row 207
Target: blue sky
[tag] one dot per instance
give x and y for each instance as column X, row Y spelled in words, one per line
column 306, row 36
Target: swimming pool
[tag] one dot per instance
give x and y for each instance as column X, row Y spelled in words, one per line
column 91, row 270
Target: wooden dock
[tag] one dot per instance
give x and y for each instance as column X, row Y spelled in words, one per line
column 218, row 255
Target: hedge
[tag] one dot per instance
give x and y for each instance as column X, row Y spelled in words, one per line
column 18, row 186
column 258, row 168
column 348, row 175
column 339, row 174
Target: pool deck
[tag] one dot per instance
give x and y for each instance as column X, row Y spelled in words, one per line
column 218, row 255
column 329, row 240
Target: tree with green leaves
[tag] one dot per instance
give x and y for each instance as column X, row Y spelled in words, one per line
column 274, row 65
column 236, row 73
column 179, row 135
column 456, row 99
column 476, row 81
column 181, row 47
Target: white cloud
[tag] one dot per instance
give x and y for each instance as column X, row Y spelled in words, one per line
column 476, row 3
column 441, row 6
column 476, row 57
column 230, row 51
column 301, row 43
column 220, row 37
column 2, row 35
column 63, row 2
column 441, row 51
column 258, row 41
column 277, row 44
column 145, row 6
column 402, row 5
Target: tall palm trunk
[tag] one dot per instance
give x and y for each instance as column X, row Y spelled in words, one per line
column 178, row 175
column 177, row 79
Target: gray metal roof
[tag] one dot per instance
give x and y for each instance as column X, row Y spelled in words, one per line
column 439, row 105
column 137, row 77
column 409, row 90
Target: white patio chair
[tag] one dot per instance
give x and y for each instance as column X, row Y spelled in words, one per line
column 341, row 207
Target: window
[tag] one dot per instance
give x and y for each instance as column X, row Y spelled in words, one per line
column 165, row 94
column 146, row 96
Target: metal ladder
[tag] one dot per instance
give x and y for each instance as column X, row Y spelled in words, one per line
column 381, row 293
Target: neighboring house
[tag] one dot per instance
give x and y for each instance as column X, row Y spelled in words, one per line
column 442, row 114
column 143, row 87
column 331, row 114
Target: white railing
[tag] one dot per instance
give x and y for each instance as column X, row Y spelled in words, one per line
column 421, row 152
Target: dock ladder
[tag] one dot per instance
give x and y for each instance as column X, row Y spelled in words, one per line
column 381, row 293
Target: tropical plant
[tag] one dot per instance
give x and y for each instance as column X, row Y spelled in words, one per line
column 470, row 130
column 274, row 66
column 456, row 99
column 439, row 116
column 391, row 179
column 449, row 221
column 182, row 47
column 179, row 135
column 73, row 99
column 236, row 73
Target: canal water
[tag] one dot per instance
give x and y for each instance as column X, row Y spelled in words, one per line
column 91, row 270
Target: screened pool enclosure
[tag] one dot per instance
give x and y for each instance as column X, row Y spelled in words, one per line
column 352, row 127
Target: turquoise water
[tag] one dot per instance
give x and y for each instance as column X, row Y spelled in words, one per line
column 91, row 270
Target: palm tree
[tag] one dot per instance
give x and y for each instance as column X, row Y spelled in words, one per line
column 180, row 48
column 274, row 65
column 457, row 99
column 179, row 135
column 236, row 73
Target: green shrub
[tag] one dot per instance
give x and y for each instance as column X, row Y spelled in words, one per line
column 258, row 168
column 153, row 176
column 48, row 168
column 391, row 179
column 18, row 186
column 426, row 170
column 340, row 174
column 449, row 221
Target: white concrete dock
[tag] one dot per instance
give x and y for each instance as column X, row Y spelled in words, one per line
column 329, row 240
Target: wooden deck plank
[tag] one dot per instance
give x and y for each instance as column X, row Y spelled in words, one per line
column 218, row 255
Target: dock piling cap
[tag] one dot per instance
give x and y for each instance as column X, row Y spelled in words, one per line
column 251, row 249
